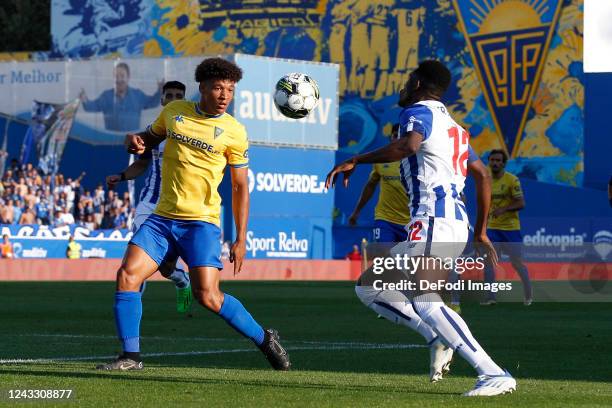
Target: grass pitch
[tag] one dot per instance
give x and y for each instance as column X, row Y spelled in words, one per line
column 53, row 334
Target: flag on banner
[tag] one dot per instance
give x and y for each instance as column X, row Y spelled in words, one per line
column 43, row 116
column 51, row 145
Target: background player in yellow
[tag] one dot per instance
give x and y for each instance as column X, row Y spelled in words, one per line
column 201, row 140
column 504, row 228
column 392, row 213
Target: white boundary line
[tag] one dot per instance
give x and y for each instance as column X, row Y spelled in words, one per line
column 313, row 346
column 215, row 339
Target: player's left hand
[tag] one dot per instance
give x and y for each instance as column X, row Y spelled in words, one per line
column 237, row 253
column 346, row 168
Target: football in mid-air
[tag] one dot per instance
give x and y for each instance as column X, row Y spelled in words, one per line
column 296, row 95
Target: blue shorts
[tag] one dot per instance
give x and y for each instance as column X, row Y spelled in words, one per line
column 165, row 239
column 385, row 231
column 508, row 242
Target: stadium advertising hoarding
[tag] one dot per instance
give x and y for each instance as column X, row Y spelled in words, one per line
column 290, row 182
column 35, row 241
column 118, row 96
column 290, row 215
column 563, row 239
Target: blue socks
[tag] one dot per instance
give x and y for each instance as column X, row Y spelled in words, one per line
column 180, row 278
column 128, row 312
column 234, row 313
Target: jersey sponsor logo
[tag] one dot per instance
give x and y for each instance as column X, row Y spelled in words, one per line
column 285, row 183
column 179, row 119
column 197, row 143
column 508, row 42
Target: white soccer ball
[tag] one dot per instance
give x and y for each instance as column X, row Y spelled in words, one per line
column 296, row 95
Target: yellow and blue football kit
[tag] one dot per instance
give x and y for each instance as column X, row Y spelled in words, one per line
column 505, row 230
column 503, row 191
column 392, row 212
column 186, row 219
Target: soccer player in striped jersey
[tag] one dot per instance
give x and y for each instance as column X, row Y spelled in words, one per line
column 202, row 140
column 391, row 214
column 149, row 196
column 435, row 159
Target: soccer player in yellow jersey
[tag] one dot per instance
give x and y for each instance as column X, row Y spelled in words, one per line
column 392, row 213
column 504, row 228
column 201, row 140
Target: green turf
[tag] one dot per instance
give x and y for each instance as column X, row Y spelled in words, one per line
column 559, row 353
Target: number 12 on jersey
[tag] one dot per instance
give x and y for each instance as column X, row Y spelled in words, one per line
column 460, row 148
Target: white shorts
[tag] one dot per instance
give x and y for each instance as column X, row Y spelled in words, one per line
column 368, row 295
column 436, row 237
column 143, row 210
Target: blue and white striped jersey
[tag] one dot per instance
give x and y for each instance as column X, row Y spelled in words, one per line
column 152, row 187
column 434, row 177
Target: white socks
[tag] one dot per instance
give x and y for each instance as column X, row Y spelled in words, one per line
column 455, row 333
column 395, row 307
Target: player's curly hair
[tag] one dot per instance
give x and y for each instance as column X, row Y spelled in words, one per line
column 434, row 76
column 500, row 151
column 217, row 68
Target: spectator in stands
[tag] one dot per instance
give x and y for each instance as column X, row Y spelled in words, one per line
column 30, row 198
column 42, row 207
column 107, row 220
column 27, row 217
column 7, row 247
column 27, row 197
column 7, row 212
column 119, row 219
column 66, row 217
column 355, row 255
column 90, row 222
column 73, row 250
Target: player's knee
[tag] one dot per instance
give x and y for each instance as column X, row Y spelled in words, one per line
column 210, row 299
column 128, row 278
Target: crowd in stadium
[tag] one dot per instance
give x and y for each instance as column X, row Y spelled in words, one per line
column 29, row 197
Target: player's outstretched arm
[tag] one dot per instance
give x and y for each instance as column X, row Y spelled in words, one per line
column 133, row 171
column 482, row 177
column 240, row 208
column 366, row 195
column 398, row 149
